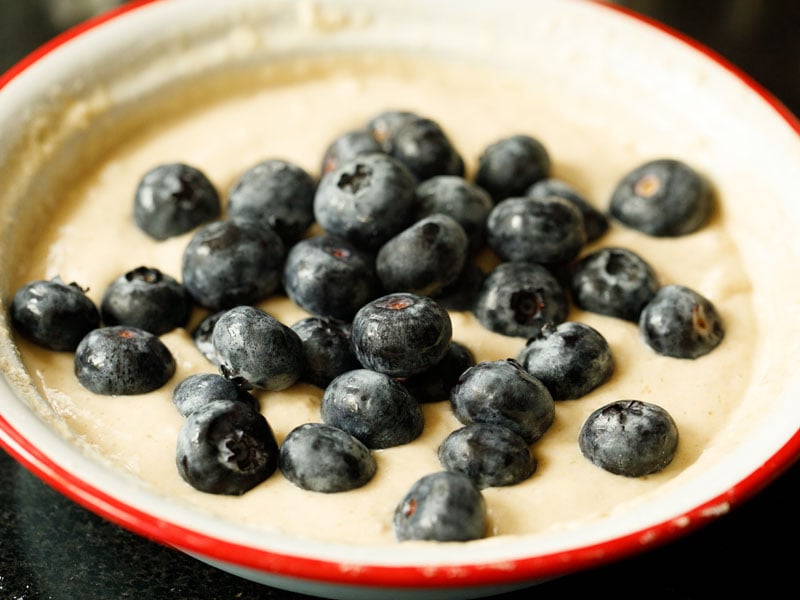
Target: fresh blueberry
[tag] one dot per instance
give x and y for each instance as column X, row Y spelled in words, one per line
column 174, row 198
column 509, row 166
column 547, row 230
column 662, row 197
column 146, row 298
column 201, row 336
column 444, row 506
column 461, row 294
column 491, row 455
column 327, row 349
column 595, row 222
column 328, row 276
column 256, row 349
column 629, row 437
column 680, row 322
column 435, row 383
column 401, row 334
column 348, row 146
column 323, row 458
column 611, row 281
column 53, row 314
column 503, row 393
column 425, row 258
column 226, row 448
column 570, row 359
column 232, row 262
column 423, row 146
column 373, row 407
column 200, row 389
column 366, row 200
column 518, row 299
column 120, row 360
column 383, row 125
column 277, row 193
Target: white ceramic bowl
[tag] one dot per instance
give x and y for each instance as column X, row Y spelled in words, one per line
column 54, row 105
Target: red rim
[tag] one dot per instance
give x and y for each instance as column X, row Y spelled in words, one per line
column 329, row 572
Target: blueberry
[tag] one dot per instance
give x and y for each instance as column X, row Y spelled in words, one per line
column 53, row 314
column 196, row 391
column 323, row 458
column 226, row 448
column 424, row 258
column 570, row 359
column 277, row 193
column 519, row 298
column 327, row 349
column 547, row 230
column 423, row 146
column 146, row 298
column 121, row 360
column 401, row 334
column 232, row 262
column 662, row 197
column 616, row 282
column 435, row 383
column 383, row 125
column 491, row 455
column 629, row 437
column 174, row 198
column 595, row 222
column 509, row 166
column 681, row 323
column 501, row 392
column 461, row 294
column 201, row 336
column 373, row 407
column 328, row 276
column 366, row 200
column 256, row 349
column 348, row 146
column 444, row 506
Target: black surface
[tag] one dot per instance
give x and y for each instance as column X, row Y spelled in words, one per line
column 50, row 548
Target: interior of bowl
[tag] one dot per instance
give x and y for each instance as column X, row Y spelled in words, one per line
column 630, row 84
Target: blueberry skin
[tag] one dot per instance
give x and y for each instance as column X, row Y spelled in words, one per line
column 53, row 314
column 517, row 299
column 664, row 198
column 323, row 458
column 121, row 360
column 366, row 200
column 227, row 448
column 611, row 281
column 277, row 193
column 444, row 506
column 174, row 198
column 383, row 125
column 547, row 230
column 232, row 262
column 348, row 146
column 570, row 359
column 422, row 145
column 256, row 349
column 491, row 455
column 501, row 392
column 435, row 383
column 681, row 323
column 401, row 334
column 424, row 258
column 460, row 295
column 328, row 276
column 629, row 437
column 327, row 349
column 509, row 166
column 196, row 391
column 146, row 298
column 201, row 336
column 373, row 407
column 595, row 222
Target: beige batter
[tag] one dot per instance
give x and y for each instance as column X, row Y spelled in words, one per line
column 92, row 239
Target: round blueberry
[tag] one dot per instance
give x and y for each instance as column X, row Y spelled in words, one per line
column 120, row 360
column 570, row 359
column 323, row 458
column 174, row 198
column 629, row 437
column 327, row 349
column 509, row 166
column 461, row 294
column 680, row 322
column 196, row 391
column 348, row 146
column 595, row 222
column 444, row 506
column 53, row 314
column 201, row 336
column 422, row 145
column 662, row 197
column 373, row 407
column 383, row 125
column 435, row 383
column 401, row 334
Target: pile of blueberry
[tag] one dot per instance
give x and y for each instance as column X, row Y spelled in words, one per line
column 376, row 252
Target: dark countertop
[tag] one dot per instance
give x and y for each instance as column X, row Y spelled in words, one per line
column 50, row 548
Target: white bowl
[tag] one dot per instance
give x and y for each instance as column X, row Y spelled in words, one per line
column 601, row 67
